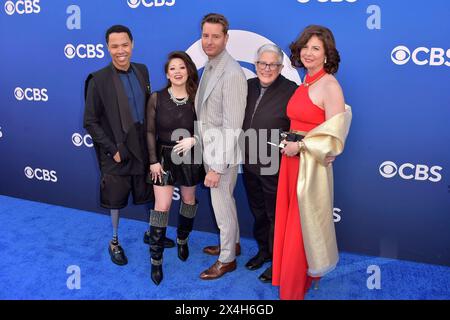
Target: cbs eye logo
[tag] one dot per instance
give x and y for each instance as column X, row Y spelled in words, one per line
column 245, row 54
column 408, row 171
column 31, row 94
column 78, row 140
column 421, row 56
column 400, row 55
column 388, row 169
column 22, row 7
column 9, row 7
column 40, row 174
column 133, row 4
column 84, row 51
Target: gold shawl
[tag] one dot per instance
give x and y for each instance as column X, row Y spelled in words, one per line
column 315, row 192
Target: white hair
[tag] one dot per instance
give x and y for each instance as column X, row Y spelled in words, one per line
column 270, row 47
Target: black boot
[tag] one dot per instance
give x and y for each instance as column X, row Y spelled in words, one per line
column 158, row 226
column 168, row 243
column 185, row 224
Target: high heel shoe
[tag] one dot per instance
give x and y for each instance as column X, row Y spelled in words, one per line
column 315, row 284
column 312, row 282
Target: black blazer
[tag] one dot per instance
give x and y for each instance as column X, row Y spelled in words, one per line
column 108, row 119
column 270, row 114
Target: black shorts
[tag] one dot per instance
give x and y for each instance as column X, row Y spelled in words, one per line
column 115, row 190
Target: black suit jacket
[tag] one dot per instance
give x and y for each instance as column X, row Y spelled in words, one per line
column 270, row 114
column 108, row 119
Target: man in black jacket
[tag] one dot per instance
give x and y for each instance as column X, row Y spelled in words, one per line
column 267, row 99
column 115, row 100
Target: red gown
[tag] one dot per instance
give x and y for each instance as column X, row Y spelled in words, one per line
column 289, row 260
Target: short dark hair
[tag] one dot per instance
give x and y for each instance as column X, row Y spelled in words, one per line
column 327, row 38
column 216, row 18
column 118, row 28
column 192, row 81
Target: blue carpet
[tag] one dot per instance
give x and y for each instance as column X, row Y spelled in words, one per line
column 38, row 242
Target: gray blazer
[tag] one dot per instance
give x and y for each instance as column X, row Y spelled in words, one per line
column 222, row 108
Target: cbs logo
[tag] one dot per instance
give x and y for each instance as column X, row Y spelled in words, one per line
column 84, row 51
column 146, row 3
column 336, row 215
column 421, row 56
column 31, row 94
column 40, row 174
column 176, row 195
column 408, row 171
column 349, row 1
column 22, row 7
column 1, row 133
column 78, row 140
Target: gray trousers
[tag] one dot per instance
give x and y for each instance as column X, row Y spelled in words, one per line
column 224, row 206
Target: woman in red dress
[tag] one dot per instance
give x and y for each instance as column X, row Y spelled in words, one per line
column 318, row 99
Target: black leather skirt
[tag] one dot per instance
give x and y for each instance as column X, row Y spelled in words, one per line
column 187, row 173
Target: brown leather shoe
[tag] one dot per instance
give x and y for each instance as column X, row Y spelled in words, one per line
column 215, row 250
column 217, row 270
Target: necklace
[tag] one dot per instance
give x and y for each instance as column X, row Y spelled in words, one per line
column 314, row 78
column 178, row 102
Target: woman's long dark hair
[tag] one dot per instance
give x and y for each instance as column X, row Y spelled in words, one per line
column 192, row 81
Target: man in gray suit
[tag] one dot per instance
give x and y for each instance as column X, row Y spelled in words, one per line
column 220, row 106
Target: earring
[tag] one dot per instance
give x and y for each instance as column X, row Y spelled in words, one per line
column 325, row 61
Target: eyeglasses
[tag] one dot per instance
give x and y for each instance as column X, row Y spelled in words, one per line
column 272, row 66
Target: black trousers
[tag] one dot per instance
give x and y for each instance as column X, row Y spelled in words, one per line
column 262, row 196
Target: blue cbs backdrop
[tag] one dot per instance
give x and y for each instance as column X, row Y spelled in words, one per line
column 391, row 184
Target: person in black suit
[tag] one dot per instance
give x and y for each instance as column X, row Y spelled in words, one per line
column 268, row 95
column 115, row 99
